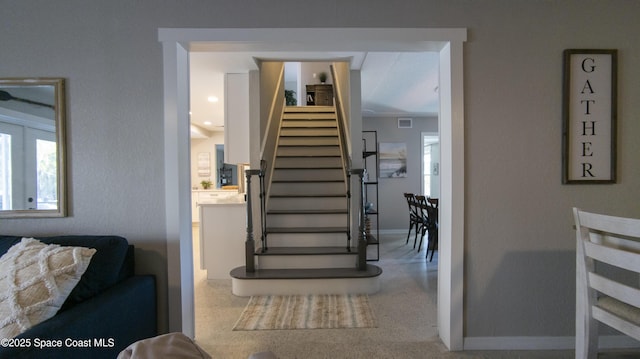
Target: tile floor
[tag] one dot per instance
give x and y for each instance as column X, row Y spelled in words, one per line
column 405, row 309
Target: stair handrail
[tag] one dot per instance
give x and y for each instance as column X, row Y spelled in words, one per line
column 275, row 114
column 343, row 129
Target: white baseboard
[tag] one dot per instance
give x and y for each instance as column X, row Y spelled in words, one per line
column 518, row 343
column 544, row 343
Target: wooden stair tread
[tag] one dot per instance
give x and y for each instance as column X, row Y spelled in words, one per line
column 309, row 145
column 306, row 251
column 309, row 168
column 307, row 181
column 309, row 137
column 297, row 155
column 314, row 273
column 326, row 195
column 309, row 116
column 307, row 211
column 307, row 229
column 304, row 109
column 307, row 126
column 328, row 111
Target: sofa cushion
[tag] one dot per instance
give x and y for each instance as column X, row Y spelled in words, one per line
column 172, row 345
column 105, row 268
column 35, row 280
column 7, row 242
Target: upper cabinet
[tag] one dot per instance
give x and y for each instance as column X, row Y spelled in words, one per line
column 236, row 118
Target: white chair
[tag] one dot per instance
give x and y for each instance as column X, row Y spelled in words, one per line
column 600, row 295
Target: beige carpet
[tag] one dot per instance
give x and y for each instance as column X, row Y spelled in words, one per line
column 326, row 311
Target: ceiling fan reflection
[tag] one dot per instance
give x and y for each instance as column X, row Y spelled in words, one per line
column 5, row 96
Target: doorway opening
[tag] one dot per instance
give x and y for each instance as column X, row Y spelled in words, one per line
column 447, row 42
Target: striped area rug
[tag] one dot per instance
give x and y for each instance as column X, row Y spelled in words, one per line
column 324, row 311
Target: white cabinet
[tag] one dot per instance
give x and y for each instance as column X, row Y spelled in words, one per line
column 195, row 212
column 236, row 118
column 222, row 236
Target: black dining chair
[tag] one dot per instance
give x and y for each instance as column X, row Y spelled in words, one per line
column 423, row 219
column 413, row 215
column 432, row 230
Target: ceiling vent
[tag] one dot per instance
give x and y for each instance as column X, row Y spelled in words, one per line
column 405, row 123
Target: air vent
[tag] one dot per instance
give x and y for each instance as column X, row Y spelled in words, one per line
column 405, row 123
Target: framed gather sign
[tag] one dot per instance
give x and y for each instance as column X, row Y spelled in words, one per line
column 589, row 116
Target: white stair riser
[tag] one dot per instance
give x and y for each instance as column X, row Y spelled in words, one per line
column 309, row 132
column 311, row 188
column 309, row 141
column 306, row 174
column 310, row 117
column 309, row 151
column 306, row 220
column 308, row 203
column 247, row 288
column 314, row 109
column 308, row 240
column 306, row 163
column 306, row 261
column 294, row 121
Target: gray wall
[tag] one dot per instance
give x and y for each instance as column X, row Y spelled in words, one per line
column 519, row 243
column 391, row 202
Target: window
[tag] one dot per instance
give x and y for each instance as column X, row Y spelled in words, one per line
column 5, row 171
column 46, row 185
column 430, row 164
column 25, row 151
column 426, row 171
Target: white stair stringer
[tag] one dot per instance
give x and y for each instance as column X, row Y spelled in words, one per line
column 305, row 281
column 248, row 288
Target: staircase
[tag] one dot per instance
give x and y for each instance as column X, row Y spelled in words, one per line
column 306, row 244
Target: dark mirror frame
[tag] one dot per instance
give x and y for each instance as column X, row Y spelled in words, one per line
column 61, row 146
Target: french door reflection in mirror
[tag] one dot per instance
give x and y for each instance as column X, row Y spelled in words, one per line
column 32, row 148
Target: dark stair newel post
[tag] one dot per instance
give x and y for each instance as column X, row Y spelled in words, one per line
column 362, row 234
column 249, row 244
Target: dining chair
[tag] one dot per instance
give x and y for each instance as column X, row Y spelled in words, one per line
column 423, row 219
column 609, row 243
column 432, row 230
column 413, row 214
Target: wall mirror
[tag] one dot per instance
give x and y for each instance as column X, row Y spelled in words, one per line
column 32, row 148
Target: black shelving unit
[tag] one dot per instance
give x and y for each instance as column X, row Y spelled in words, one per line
column 225, row 174
column 370, row 160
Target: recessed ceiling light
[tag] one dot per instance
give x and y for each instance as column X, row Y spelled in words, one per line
column 207, row 123
column 212, row 99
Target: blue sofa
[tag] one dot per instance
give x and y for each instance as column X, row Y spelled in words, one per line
column 109, row 308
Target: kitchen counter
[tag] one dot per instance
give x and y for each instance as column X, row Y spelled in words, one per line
column 212, row 196
column 237, row 199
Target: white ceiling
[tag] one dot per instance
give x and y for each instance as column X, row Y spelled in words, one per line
column 394, row 84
